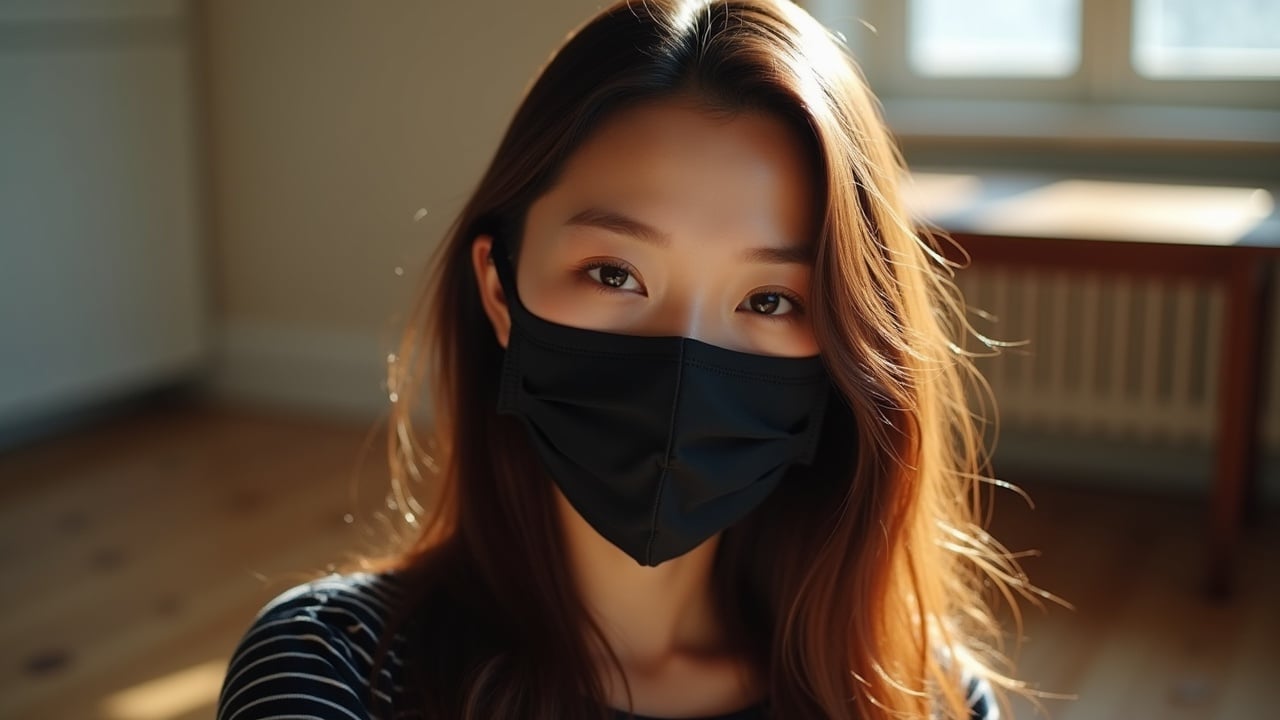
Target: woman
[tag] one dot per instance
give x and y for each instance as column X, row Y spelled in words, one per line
column 702, row 441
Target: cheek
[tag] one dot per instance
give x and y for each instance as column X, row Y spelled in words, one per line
column 558, row 307
column 807, row 344
column 788, row 339
column 555, row 295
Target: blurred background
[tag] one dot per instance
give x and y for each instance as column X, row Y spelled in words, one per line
column 213, row 216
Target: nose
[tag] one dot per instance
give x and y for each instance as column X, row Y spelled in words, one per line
column 695, row 315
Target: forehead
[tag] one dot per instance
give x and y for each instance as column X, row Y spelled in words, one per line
column 688, row 171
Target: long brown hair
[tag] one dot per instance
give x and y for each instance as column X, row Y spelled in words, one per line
column 858, row 586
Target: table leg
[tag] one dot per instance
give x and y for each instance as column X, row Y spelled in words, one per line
column 1239, row 388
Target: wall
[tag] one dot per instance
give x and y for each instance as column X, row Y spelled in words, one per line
column 331, row 125
column 102, row 284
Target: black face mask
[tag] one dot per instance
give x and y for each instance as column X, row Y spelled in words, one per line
column 658, row 442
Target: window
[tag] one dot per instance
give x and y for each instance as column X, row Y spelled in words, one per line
column 1197, row 39
column 993, row 38
column 1098, row 53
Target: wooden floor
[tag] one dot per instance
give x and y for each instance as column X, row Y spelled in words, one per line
column 136, row 552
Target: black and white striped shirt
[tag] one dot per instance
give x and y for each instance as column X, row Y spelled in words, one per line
column 308, row 654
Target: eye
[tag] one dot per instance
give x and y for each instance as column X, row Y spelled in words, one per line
column 771, row 303
column 613, row 276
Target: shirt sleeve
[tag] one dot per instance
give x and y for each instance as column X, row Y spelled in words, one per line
column 982, row 702
column 291, row 663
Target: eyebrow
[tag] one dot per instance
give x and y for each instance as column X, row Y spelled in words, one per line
column 790, row 255
column 615, row 221
column 619, row 223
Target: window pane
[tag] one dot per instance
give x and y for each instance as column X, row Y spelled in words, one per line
column 1195, row 38
column 994, row 38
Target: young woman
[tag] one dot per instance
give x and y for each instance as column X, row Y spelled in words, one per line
column 702, row 447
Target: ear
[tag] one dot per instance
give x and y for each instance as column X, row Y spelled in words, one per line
column 492, row 298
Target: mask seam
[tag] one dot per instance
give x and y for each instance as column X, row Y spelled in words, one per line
column 816, row 421
column 666, row 458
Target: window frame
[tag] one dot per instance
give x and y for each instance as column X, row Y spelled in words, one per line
column 1106, row 90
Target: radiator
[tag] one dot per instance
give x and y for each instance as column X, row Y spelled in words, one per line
column 1108, row 356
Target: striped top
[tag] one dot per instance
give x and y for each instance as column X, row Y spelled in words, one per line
column 309, row 651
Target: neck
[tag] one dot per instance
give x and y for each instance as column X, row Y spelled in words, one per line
column 649, row 616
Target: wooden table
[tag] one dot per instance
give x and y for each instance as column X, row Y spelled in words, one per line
column 1223, row 235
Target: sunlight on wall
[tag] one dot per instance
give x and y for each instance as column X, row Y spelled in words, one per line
column 168, row 696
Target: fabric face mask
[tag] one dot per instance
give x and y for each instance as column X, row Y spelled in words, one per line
column 658, row 442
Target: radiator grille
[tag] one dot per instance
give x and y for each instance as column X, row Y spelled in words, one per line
column 1125, row 358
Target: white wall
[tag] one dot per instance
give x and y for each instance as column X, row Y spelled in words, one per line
column 331, row 124
column 102, row 285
